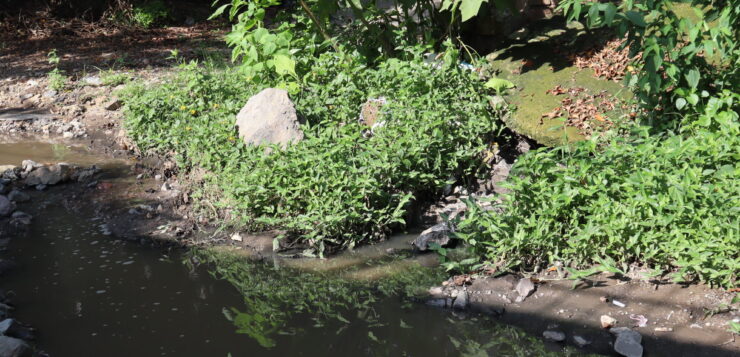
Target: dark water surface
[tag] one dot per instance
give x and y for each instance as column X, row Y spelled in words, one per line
column 90, row 294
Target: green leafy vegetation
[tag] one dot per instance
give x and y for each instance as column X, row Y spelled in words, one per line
column 56, row 77
column 149, row 13
column 339, row 186
column 113, row 78
column 665, row 196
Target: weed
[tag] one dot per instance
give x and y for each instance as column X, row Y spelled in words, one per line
column 338, row 187
column 112, row 78
column 56, row 77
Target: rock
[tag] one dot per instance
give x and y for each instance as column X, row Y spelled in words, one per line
column 29, row 165
column 5, row 168
column 40, row 187
column 525, row 287
column 49, row 175
column 371, row 110
column 436, row 302
column 92, row 80
column 551, row 335
column 608, row 321
column 2, row 189
column 269, row 118
column 461, row 302
column 237, row 237
column 497, row 102
column 12, row 328
column 166, row 187
column 18, row 196
column 436, row 291
column 22, row 218
column 5, row 311
column 113, row 104
column 439, row 234
column 85, row 174
column 6, row 206
column 6, row 266
column 50, row 93
column 628, row 342
column 13, row 347
column 580, row 341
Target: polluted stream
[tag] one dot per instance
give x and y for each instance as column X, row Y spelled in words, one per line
column 88, row 293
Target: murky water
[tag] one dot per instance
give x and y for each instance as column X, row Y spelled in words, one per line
column 90, row 294
column 13, row 153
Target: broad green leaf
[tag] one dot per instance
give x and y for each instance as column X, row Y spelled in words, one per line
column 284, row 64
column 636, row 18
column 680, row 103
column 498, row 84
column 693, row 78
column 470, row 8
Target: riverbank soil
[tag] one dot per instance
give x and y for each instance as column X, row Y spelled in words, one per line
column 673, row 319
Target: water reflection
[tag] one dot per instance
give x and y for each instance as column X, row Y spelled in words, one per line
column 345, row 316
column 89, row 294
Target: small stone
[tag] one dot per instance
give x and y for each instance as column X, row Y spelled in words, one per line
column 608, row 321
column 68, row 135
column 551, row 335
column 461, row 302
column 436, row 291
column 29, row 165
column 166, row 187
column 236, row 237
column 436, row 302
column 628, row 342
column 157, row 177
column 580, row 341
column 18, row 196
column 92, row 80
column 13, row 347
column 439, row 234
column 40, row 187
column 113, row 104
column 12, row 328
column 22, row 218
column 525, row 287
column 6, row 206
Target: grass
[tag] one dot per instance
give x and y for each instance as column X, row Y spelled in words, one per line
column 338, row 187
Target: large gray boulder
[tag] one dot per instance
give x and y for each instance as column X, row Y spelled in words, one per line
column 13, row 347
column 269, row 117
column 440, row 234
